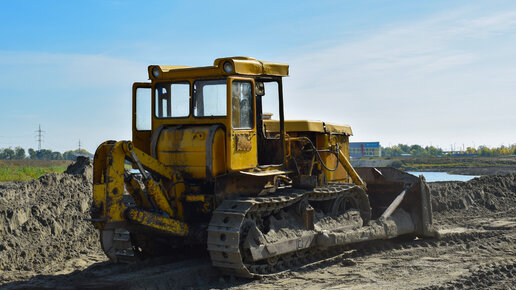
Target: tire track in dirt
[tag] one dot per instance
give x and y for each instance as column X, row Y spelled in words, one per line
column 501, row 274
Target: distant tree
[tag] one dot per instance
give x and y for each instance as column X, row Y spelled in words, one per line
column 8, row 153
column 433, row 151
column 71, row 154
column 32, row 154
column 416, row 150
column 44, row 154
column 19, row 153
column 68, row 155
column 56, row 156
column 404, row 148
column 391, row 151
column 484, row 151
column 504, row 150
column 471, row 150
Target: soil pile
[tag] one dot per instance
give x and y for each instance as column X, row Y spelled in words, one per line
column 494, row 193
column 42, row 221
column 82, row 166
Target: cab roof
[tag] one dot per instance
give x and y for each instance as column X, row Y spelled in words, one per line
column 308, row 126
column 240, row 65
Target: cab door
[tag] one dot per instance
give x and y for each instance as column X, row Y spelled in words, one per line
column 243, row 149
column 142, row 116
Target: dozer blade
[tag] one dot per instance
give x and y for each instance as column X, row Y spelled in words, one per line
column 400, row 206
column 391, row 190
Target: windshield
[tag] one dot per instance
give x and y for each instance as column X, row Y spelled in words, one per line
column 209, row 98
column 172, row 100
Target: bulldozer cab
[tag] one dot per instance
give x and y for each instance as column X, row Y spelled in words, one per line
column 221, row 107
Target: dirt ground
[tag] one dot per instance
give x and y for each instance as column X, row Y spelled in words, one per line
column 46, row 244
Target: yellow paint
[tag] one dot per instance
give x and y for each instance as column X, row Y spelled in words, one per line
column 185, row 149
column 194, row 198
column 157, row 222
column 308, row 126
column 354, row 175
column 157, row 194
column 240, row 159
column 109, row 184
column 110, row 191
column 241, row 66
column 138, row 195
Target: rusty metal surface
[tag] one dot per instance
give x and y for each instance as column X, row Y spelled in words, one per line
column 243, row 141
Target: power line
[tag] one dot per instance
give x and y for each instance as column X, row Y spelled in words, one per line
column 39, row 136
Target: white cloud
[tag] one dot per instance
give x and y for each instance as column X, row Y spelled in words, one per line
column 52, row 70
column 486, row 26
column 442, row 78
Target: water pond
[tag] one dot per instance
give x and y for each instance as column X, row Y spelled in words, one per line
column 431, row 176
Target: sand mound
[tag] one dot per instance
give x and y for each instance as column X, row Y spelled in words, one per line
column 82, row 166
column 42, row 221
column 493, row 193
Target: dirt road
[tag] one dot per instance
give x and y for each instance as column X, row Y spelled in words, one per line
column 477, row 220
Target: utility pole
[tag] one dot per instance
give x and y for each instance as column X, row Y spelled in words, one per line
column 39, row 137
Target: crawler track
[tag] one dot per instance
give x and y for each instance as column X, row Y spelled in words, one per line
column 227, row 229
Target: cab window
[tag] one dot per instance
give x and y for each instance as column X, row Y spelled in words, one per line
column 143, row 109
column 241, row 105
column 209, row 98
column 172, row 100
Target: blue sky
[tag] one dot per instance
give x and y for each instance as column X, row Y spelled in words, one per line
column 428, row 72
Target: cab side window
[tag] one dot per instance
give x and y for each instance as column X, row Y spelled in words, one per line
column 143, row 109
column 242, row 105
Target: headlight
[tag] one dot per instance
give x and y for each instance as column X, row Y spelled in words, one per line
column 156, row 72
column 228, row 67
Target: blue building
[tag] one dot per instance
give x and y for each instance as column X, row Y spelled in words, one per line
column 365, row 149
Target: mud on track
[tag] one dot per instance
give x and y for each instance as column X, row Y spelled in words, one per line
column 477, row 250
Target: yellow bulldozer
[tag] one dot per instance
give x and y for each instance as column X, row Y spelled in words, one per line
column 213, row 161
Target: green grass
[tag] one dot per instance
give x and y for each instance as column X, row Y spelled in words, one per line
column 25, row 173
column 24, row 170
